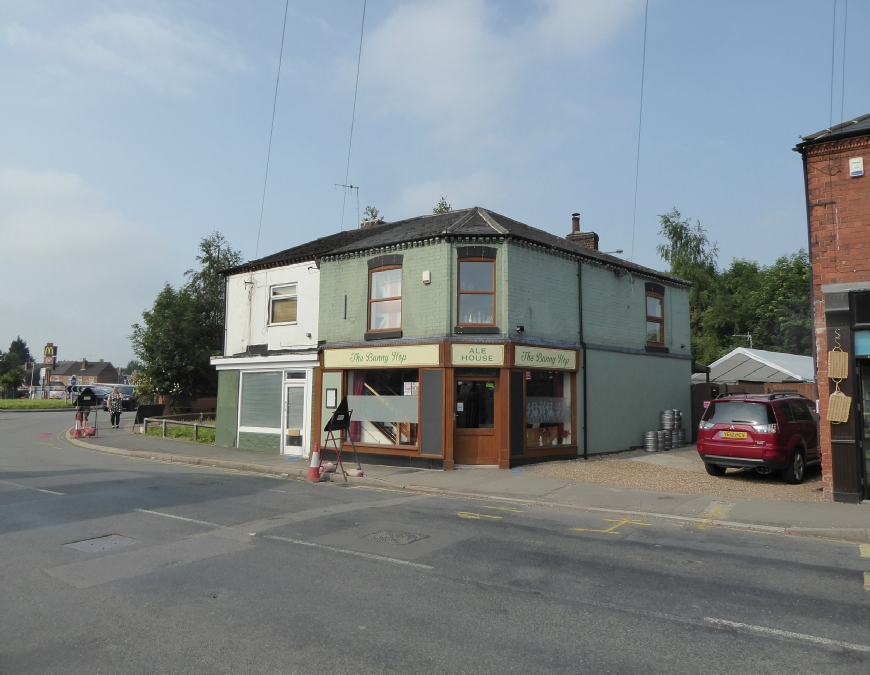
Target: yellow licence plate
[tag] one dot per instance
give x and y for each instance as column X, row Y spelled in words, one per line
column 733, row 434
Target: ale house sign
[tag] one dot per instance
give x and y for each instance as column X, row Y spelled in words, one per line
column 477, row 355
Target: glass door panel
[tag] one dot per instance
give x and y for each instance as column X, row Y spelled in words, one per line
column 294, row 420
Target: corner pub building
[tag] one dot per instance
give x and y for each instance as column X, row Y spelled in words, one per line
column 468, row 338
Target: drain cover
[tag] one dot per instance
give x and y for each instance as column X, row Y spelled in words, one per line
column 98, row 544
column 395, row 537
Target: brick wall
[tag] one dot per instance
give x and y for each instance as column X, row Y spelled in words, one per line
column 839, row 249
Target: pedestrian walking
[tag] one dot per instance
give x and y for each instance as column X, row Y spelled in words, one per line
column 114, row 405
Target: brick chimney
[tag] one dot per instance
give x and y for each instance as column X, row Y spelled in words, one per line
column 84, row 364
column 587, row 239
column 370, row 223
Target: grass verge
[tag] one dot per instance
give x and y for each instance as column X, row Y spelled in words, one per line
column 32, row 404
column 183, row 434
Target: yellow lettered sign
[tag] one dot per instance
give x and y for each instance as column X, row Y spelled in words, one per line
column 477, row 355
column 539, row 357
column 405, row 356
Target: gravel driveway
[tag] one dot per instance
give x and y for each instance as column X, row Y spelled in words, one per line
column 681, row 471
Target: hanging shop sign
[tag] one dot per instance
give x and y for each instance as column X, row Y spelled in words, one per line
column 406, row 356
column 551, row 359
column 477, row 355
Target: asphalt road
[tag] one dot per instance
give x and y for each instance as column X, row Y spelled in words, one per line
column 215, row 571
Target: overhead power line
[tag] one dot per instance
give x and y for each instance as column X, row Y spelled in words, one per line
column 639, row 127
column 272, row 128
column 353, row 114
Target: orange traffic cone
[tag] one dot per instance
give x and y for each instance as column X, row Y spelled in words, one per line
column 314, row 469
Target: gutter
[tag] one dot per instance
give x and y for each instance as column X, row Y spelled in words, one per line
column 583, row 352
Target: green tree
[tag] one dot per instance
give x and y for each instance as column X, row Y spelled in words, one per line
column 207, row 282
column 19, row 347
column 442, row 206
column 371, row 213
column 175, row 342
column 8, row 362
column 184, row 328
column 10, row 381
column 692, row 256
column 770, row 303
column 133, row 365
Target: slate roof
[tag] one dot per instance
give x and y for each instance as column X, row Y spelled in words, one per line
column 75, row 368
column 475, row 221
column 860, row 126
column 308, row 251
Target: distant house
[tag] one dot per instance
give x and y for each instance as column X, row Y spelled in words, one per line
column 835, row 162
column 85, row 372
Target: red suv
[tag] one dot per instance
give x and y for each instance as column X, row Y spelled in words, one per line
column 770, row 432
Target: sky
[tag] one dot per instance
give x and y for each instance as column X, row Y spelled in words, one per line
column 131, row 130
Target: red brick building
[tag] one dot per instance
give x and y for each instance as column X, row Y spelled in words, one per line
column 838, row 219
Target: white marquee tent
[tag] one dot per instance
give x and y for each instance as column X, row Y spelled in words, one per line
column 757, row 365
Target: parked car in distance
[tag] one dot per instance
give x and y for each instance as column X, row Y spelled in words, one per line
column 766, row 432
column 128, row 397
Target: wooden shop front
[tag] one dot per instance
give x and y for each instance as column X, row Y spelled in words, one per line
column 446, row 404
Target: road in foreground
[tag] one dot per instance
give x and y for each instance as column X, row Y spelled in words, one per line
column 215, row 571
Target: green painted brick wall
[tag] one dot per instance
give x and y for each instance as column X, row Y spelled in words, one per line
column 542, row 295
column 614, row 311
column 227, row 408
column 424, row 307
column 627, row 393
column 261, row 442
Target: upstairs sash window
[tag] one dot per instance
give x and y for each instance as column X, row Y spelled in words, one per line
column 385, row 299
column 476, row 292
column 282, row 304
column 655, row 319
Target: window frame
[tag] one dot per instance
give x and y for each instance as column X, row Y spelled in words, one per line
column 272, row 299
column 654, row 319
column 460, row 292
column 374, row 270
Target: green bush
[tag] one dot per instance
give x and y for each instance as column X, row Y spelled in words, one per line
column 183, row 433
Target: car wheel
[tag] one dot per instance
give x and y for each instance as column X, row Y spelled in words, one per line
column 797, row 468
column 714, row 469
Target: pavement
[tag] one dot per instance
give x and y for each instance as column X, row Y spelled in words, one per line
column 841, row 522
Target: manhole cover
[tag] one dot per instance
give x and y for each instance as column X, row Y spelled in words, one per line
column 395, row 537
column 98, row 544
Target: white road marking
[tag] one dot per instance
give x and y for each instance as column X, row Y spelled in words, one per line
column 370, row 556
column 867, row 581
column 865, row 550
column 189, row 520
column 27, row 487
column 786, row 633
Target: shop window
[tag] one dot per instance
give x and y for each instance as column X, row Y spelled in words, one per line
column 260, row 405
column 385, row 299
column 385, row 406
column 655, row 319
column 476, row 292
column 282, row 304
column 548, row 409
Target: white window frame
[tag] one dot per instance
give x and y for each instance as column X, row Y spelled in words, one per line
column 271, row 298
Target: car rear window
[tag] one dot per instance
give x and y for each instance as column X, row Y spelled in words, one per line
column 739, row 412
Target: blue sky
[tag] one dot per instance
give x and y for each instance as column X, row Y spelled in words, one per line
column 130, row 130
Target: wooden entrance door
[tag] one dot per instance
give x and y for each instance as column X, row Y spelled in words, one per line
column 475, row 416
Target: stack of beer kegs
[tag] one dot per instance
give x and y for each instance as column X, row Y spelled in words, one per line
column 671, row 434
